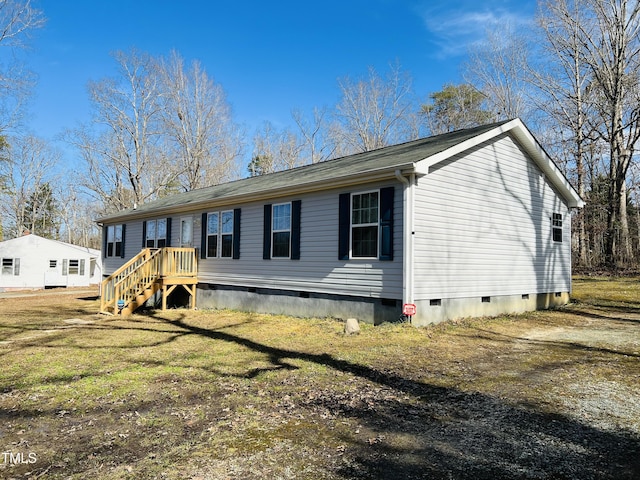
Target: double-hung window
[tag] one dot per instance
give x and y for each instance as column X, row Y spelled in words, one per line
column 557, row 227
column 281, row 231
column 219, row 231
column 364, row 224
column 213, row 230
column 156, row 233
column 73, row 267
column 221, row 234
column 114, row 243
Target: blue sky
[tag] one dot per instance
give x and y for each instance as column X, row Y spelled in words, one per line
column 270, row 57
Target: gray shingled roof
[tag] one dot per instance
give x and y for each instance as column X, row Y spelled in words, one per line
column 363, row 164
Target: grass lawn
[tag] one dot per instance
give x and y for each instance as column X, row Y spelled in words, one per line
column 223, row 395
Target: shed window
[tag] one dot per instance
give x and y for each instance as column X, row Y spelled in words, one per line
column 73, row 267
column 557, row 227
column 11, row 266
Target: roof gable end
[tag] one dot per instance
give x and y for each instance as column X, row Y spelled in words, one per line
column 526, row 140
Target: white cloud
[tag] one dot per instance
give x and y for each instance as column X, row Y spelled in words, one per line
column 454, row 27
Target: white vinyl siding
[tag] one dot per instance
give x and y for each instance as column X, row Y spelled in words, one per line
column 318, row 269
column 133, row 245
column 484, row 227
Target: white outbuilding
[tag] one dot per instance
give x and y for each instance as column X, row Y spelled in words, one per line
column 34, row 262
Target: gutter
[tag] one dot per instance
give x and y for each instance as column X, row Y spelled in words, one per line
column 262, row 195
column 408, row 234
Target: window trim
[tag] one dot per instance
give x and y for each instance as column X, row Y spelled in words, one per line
column 155, row 240
column 15, row 266
column 233, row 234
column 274, row 231
column 294, row 226
column 78, row 268
column 386, row 207
column 375, row 224
column 112, row 247
column 219, row 234
column 228, row 234
column 556, row 227
column 213, row 235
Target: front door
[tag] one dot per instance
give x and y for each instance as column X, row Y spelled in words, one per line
column 186, row 232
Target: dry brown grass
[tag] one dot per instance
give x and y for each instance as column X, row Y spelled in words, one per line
column 201, row 394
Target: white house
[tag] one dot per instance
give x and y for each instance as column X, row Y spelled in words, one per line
column 470, row 223
column 32, row 262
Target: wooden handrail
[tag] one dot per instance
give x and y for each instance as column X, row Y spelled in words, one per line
column 142, row 271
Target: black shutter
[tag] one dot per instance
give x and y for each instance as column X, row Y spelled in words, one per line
column 344, row 221
column 203, row 236
column 266, row 239
column 168, row 239
column 295, row 229
column 144, row 234
column 386, row 223
column 236, row 234
column 124, row 241
column 104, row 240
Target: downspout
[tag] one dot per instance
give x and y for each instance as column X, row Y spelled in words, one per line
column 407, row 236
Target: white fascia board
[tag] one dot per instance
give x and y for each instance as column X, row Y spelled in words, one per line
column 528, row 142
column 373, row 175
column 548, row 166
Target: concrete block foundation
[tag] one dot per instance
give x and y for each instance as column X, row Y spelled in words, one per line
column 369, row 310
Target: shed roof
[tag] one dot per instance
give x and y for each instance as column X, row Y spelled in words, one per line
column 351, row 170
column 34, row 240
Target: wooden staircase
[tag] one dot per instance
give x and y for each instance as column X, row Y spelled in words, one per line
column 153, row 270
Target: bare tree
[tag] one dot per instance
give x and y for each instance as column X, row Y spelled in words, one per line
column 76, row 213
column 275, row 150
column 497, row 68
column 610, row 47
column 374, row 112
column 317, row 147
column 126, row 160
column 204, row 142
column 30, row 167
column 17, row 20
column 566, row 86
